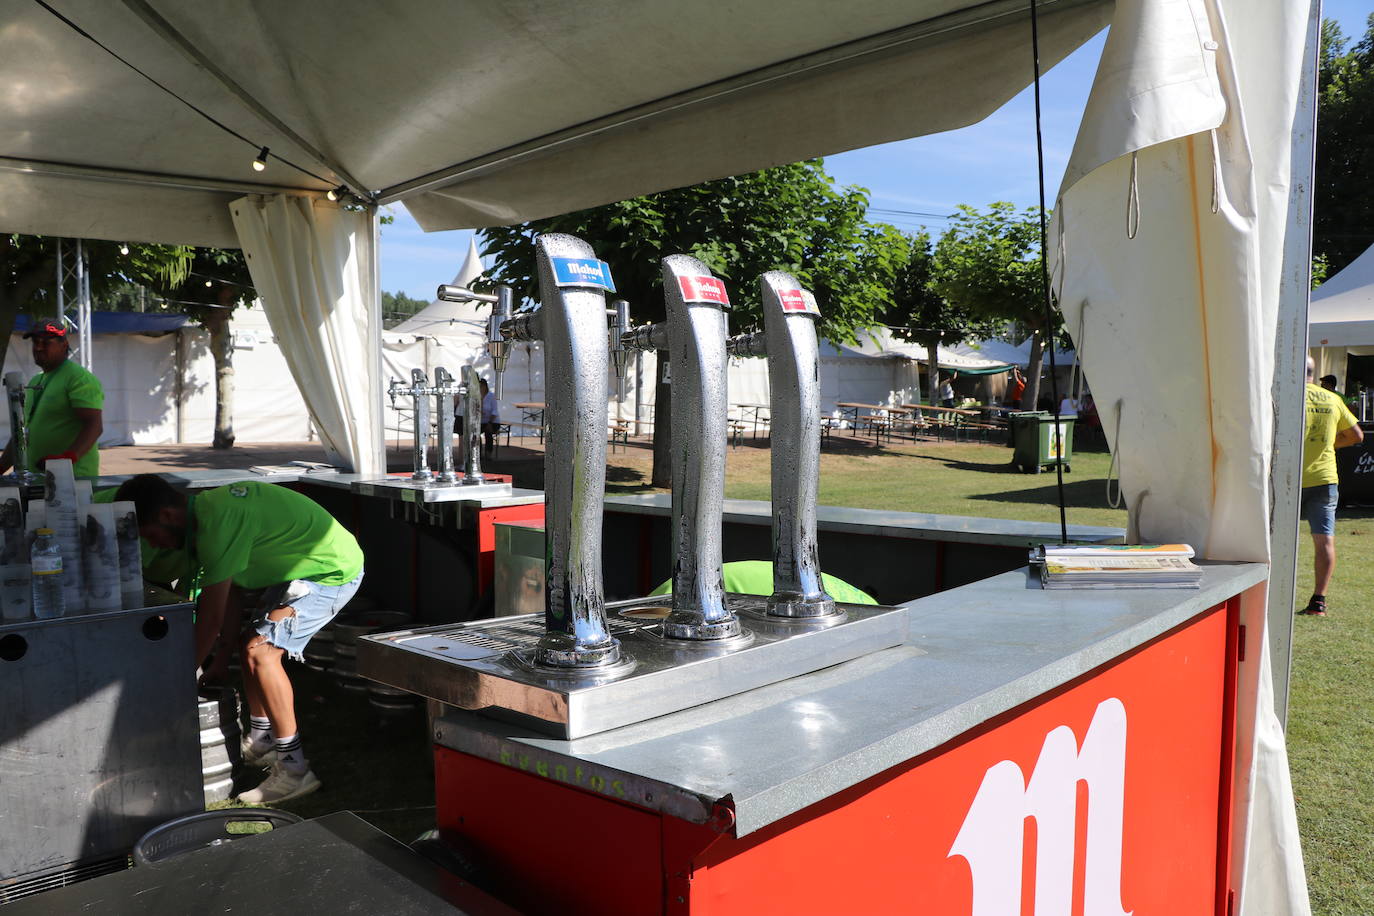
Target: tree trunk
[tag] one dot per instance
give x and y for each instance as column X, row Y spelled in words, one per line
column 1031, row 399
column 933, row 373
column 222, row 350
column 662, row 474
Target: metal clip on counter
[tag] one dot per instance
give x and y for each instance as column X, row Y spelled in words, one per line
column 588, row 670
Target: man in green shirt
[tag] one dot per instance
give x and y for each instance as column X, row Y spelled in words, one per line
column 62, row 406
column 257, row 536
column 1330, row 425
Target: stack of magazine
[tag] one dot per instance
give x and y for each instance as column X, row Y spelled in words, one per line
column 1116, row 566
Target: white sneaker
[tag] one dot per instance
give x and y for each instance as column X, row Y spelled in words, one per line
column 281, row 785
column 253, row 757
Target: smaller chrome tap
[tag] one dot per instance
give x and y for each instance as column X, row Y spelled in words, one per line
column 419, row 391
column 471, row 392
column 444, row 391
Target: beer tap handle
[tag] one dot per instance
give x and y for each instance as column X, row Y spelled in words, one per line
column 620, row 354
column 450, row 293
column 498, row 347
column 752, row 344
column 646, row 337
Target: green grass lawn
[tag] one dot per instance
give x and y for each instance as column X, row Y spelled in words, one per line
column 381, row 767
column 1331, row 724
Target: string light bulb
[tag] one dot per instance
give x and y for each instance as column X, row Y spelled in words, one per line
column 260, row 163
column 124, row 248
column 207, row 282
column 332, row 194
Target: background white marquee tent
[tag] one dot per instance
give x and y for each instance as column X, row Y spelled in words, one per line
column 160, row 388
column 875, row 369
column 1341, row 320
column 492, row 112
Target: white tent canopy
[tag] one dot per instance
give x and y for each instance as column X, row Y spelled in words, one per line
column 1340, row 322
column 1342, row 311
column 473, row 114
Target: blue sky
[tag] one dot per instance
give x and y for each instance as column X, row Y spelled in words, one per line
column 988, row 161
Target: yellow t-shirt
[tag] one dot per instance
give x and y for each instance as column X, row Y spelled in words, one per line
column 1327, row 415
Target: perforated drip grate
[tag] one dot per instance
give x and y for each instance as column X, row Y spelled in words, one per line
column 519, row 634
column 19, row 888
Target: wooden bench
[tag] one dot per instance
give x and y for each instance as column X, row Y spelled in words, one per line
column 525, row 430
column 619, row 432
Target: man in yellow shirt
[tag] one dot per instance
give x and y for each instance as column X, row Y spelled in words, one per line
column 1330, row 425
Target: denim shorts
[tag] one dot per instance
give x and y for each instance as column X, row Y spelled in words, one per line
column 1319, row 508
column 315, row 605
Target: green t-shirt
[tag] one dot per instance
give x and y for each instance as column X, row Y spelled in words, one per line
column 259, row 534
column 48, row 404
column 1327, row 415
column 755, row 577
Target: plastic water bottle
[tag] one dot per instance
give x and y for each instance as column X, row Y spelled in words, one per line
column 46, row 559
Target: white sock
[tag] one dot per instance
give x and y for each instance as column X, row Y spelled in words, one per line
column 290, row 756
column 260, row 731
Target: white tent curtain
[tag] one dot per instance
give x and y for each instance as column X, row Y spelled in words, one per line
column 314, row 265
column 1168, row 237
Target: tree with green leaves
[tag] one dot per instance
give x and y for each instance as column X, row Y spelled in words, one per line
column 790, row 217
column 1343, row 195
column 918, row 313
column 988, row 265
column 397, row 307
column 28, row 273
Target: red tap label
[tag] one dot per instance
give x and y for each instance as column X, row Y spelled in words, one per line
column 794, row 300
column 703, row 289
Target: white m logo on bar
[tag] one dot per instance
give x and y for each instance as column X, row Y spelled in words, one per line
column 991, row 838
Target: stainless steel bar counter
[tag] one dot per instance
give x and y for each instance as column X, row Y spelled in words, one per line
column 972, row 654
column 902, row 781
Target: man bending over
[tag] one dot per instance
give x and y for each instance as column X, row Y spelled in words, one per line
column 257, row 536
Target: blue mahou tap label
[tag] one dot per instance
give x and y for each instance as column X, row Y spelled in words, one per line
column 582, row 272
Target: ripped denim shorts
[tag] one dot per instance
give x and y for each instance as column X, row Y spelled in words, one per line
column 315, row 605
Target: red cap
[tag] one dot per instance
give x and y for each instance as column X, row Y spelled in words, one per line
column 47, row 329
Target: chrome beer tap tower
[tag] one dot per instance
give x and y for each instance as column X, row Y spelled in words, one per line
column 571, row 322
column 589, row 666
column 15, row 393
column 694, row 336
column 789, row 342
column 424, row 484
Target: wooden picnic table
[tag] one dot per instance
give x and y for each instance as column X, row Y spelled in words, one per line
column 757, row 415
column 532, row 412
column 956, row 419
column 851, row 409
column 956, row 412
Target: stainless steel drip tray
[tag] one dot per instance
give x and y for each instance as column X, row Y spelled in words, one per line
column 486, row 665
column 417, row 491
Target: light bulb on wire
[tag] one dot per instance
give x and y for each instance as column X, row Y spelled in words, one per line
column 207, row 283
column 260, row 163
column 124, row 248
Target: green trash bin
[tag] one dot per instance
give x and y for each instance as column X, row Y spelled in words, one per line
column 1033, row 441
